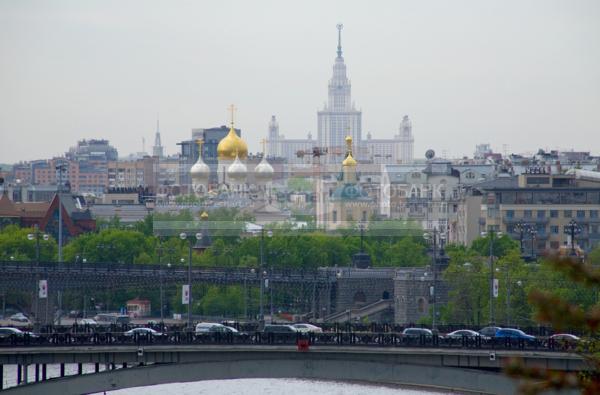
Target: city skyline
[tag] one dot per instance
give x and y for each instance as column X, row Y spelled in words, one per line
column 524, row 77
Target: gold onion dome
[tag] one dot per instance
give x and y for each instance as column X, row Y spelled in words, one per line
column 349, row 161
column 231, row 146
column 237, row 171
column 200, row 171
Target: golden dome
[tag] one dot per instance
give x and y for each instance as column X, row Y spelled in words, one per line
column 231, row 145
column 204, row 215
column 349, row 161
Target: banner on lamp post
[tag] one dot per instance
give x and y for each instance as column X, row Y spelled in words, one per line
column 43, row 289
column 185, row 294
column 496, row 288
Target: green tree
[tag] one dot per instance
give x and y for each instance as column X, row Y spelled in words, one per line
column 593, row 257
column 15, row 243
column 501, row 245
column 467, row 276
column 405, row 253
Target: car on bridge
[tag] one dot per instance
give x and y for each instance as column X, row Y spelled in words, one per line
column 212, row 327
column 308, row 328
column 459, row 334
column 271, row 328
column 416, row 332
column 86, row 321
column 144, row 332
column 564, row 340
column 489, row 331
column 19, row 317
column 511, row 333
column 7, row 332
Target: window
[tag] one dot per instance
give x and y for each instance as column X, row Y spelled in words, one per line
column 567, row 214
column 554, row 229
column 364, row 215
column 580, row 213
column 541, row 214
column 593, row 213
column 553, row 213
column 510, row 213
column 554, row 245
column 334, row 216
column 527, row 214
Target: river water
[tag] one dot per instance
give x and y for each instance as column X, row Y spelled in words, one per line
column 270, row 387
column 232, row 387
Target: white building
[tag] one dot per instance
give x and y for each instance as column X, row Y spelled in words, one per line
column 339, row 117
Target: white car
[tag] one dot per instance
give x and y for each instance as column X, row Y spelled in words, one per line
column 459, row 334
column 86, row 321
column 211, row 327
column 308, row 328
column 19, row 317
column 142, row 332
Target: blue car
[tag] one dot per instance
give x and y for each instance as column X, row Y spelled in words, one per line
column 511, row 333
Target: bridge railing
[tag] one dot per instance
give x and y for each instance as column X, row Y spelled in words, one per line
column 371, row 339
column 277, row 274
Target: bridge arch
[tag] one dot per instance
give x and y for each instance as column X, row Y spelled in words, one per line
column 381, row 370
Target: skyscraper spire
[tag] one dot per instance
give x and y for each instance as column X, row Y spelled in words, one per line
column 339, row 48
column 157, row 149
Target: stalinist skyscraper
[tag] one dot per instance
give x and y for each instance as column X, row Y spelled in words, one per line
column 339, row 118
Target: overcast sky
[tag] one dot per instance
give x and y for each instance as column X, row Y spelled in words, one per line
column 521, row 73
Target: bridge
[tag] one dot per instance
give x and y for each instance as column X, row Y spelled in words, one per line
column 457, row 364
column 95, row 275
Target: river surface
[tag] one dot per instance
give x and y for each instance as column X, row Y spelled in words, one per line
column 270, row 387
column 233, row 387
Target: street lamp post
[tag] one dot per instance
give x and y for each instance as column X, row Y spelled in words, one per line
column 262, row 274
column 61, row 169
column 573, row 229
column 436, row 238
column 521, row 228
column 191, row 241
column 159, row 252
column 532, row 235
column 493, row 234
column 36, row 236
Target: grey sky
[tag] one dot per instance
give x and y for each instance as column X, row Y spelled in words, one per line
column 522, row 73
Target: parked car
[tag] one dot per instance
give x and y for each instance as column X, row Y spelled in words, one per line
column 459, row 334
column 19, row 317
column 209, row 327
column 6, row 332
column 565, row 339
column 86, row 321
column 511, row 333
column 143, row 332
column 489, row 331
column 415, row 332
column 565, row 336
column 280, row 329
column 308, row 328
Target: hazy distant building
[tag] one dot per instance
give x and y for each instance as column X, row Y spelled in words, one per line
column 157, row 149
column 339, row 117
column 93, row 150
column 406, row 140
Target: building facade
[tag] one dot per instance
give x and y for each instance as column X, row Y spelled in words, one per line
column 544, row 204
column 339, row 117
